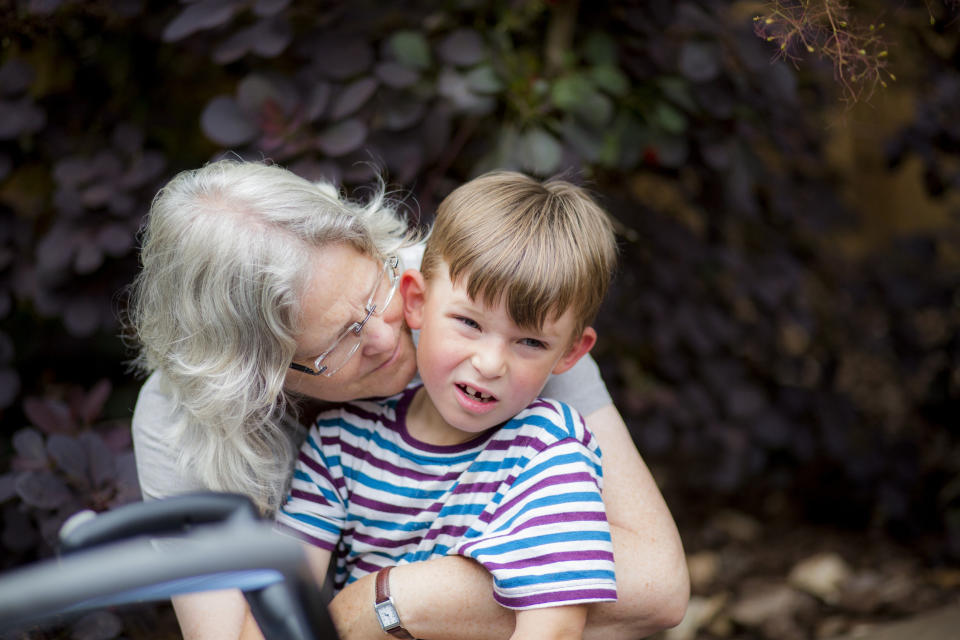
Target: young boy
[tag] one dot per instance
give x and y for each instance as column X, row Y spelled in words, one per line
column 472, row 462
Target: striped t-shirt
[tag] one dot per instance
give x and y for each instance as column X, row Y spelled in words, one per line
column 523, row 499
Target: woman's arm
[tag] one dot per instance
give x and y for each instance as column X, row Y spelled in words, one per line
column 452, row 597
column 551, row 623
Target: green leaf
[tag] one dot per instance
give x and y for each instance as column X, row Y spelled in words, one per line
column 569, row 91
column 411, row 48
column 610, row 79
column 600, row 49
column 483, row 79
column 669, row 119
column 540, row 153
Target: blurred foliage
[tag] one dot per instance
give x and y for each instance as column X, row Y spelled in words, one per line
column 753, row 359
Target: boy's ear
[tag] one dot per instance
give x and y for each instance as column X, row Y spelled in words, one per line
column 580, row 347
column 413, row 290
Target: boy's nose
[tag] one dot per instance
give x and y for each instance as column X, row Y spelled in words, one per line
column 488, row 360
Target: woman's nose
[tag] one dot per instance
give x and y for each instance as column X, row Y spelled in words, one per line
column 380, row 334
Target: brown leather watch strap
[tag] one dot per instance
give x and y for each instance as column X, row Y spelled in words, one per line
column 382, row 589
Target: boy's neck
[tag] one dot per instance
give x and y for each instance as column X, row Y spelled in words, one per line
column 425, row 424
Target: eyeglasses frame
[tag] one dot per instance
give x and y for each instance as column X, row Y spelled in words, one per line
column 391, row 266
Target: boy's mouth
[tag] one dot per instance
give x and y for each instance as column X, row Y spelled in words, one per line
column 475, row 394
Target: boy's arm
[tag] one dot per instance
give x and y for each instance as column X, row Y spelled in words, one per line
column 551, row 623
column 452, row 597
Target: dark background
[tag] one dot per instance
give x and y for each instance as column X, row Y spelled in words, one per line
column 782, row 337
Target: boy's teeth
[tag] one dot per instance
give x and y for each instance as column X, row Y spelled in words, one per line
column 470, row 391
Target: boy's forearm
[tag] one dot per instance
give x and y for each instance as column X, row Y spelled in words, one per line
column 551, row 623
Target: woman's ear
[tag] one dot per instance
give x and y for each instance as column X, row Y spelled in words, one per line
column 580, row 347
column 413, row 290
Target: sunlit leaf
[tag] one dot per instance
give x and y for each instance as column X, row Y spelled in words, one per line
column 352, row 97
column 569, row 92
column 453, row 86
column 342, row 138
column 483, row 79
column 42, row 489
column 540, row 152
column 225, row 123
column 410, row 48
column 199, row 16
column 610, row 79
column 462, row 47
column 668, row 118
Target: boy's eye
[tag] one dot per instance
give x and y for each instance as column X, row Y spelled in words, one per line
column 534, row 343
column 467, row 322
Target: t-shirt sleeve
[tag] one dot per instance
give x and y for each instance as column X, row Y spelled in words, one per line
column 154, row 428
column 581, row 387
column 315, row 509
column 548, row 543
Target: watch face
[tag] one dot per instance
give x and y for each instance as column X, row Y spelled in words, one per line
column 388, row 615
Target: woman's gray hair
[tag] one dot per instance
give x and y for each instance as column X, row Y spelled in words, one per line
column 215, row 308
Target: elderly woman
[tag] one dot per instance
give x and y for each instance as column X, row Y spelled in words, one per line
column 255, row 299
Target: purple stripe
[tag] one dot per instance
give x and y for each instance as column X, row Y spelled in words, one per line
column 366, row 566
column 379, row 463
column 550, row 558
column 317, row 542
column 581, row 595
column 309, row 497
column 568, row 516
column 385, row 506
column 550, row 518
column 477, row 487
column 385, row 542
column 451, row 530
column 541, row 403
column 566, row 478
column 317, row 467
column 522, row 441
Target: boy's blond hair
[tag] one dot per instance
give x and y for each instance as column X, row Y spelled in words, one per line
column 538, row 248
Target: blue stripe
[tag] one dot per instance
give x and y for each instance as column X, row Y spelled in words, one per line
column 372, row 483
column 546, row 465
column 329, row 495
column 315, row 522
column 560, row 576
column 550, row 501
column 380, row 441
column 536, row 541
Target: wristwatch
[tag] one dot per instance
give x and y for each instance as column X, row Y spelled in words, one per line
column 385, row 609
